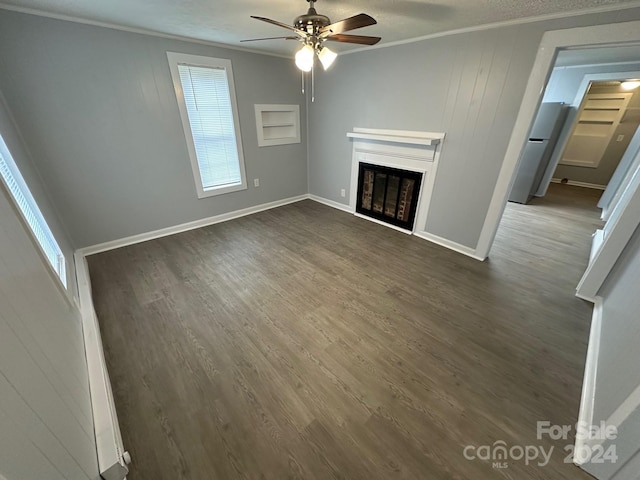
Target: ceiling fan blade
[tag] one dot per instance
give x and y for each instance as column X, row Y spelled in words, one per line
column 351, row 23
column 280, row 24
column 361, row 39
column 269, row 38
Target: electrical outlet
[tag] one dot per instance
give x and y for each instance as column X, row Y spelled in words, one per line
column 620, row 138
column 343, row 193
column 256, row 182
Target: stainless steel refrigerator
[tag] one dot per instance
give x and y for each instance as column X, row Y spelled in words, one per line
column 535, row 157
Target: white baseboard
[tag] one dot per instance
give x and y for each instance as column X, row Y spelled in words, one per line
column 384, row 224
column 203, row 222
column 585, row 417
column 112, row 457
column 443, row 242
column 595, row 186
column 586, row 298
column 331, row 203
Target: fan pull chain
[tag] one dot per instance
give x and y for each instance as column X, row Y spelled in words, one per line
column 313, row 83
column 302, row 76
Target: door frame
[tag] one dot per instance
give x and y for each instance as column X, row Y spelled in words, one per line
column 626, row 33
column 586, row 82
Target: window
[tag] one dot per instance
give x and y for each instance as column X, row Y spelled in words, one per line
column 18, row 188
column 207, row 102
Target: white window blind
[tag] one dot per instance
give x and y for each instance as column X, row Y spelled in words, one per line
column 209, row 116
column 206, row 95
column 23, row 198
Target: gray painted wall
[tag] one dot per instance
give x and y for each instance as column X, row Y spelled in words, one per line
column 615, row 150
column 618, row 374
column 469, row 86
column 98, row 111
column 46, row 427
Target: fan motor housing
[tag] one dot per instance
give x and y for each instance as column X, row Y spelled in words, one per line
column 311, row 19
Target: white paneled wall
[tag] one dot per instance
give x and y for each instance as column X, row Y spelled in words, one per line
column 45, row 410
column 468, row 85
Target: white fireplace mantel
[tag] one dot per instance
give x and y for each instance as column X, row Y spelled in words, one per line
column 397, row 136
column 407, row 150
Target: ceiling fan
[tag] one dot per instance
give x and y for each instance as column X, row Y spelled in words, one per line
column 313, row 29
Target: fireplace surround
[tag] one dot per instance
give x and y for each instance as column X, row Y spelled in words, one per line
column 392, row 176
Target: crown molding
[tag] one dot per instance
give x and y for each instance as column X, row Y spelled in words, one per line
column 476, row 28
column 506, row 23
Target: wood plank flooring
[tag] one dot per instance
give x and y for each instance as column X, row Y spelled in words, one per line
column 305, row 343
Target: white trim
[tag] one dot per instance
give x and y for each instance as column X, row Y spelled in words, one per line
column 585, row 417
column 55, row 277
column 476, row 28
column 404, row 149
column 552, row 41
column 183, row 227
column 407, row 140
column 572, row 117
column 331, row 203
column 60, row 274
column 603, row 64
column 140, row 31
column 586, row 298
column 397, row 136
column 384, row 224
column 632, row 149
column 506, row 23
column 594, row 186
column 109, row 446
column 176, row 59
column 443, row 242
column 618, row 231
column 293, row 127
column 596, row 243
column 400, row 133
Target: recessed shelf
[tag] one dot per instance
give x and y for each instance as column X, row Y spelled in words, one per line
column 277, row 124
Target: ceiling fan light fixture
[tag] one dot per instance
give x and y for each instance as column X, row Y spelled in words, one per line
column 326, row 57
column 630, row 84
column 304, row 58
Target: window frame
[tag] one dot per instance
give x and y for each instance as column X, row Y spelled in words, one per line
column 60, row 273
column 176, row 59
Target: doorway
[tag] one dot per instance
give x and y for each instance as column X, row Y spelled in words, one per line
column 553, row 42
column 606, row 121
column 603, row 104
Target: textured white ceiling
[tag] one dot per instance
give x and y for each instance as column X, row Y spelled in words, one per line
column 227, row 21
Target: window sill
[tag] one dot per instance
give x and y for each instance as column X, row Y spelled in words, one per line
column 221, row 190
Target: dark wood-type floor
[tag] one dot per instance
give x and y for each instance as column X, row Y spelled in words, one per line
column 305, row 343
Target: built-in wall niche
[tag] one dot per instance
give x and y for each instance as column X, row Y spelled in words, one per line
column 277, row 124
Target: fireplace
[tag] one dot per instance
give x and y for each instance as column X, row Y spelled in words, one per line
column 393, row 175
column 388, row 194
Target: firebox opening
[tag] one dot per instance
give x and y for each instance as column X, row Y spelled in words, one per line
column 388, row 194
